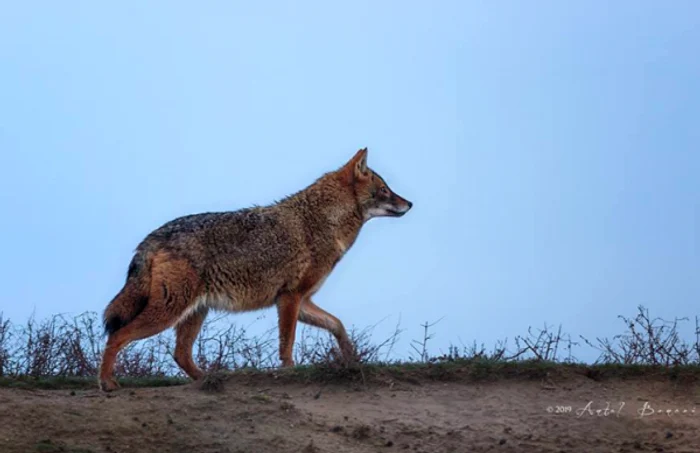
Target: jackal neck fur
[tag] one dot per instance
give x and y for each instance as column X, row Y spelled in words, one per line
column 330, row 213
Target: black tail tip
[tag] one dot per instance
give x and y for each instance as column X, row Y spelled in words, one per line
column 112, row 324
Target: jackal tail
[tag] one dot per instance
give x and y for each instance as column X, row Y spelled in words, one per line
column 132, row 298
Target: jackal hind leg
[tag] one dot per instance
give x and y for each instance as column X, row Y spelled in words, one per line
column 186, row 332
column 148, row 323
column 166, row 305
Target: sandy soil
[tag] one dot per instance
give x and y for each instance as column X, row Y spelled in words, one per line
column 265, row 415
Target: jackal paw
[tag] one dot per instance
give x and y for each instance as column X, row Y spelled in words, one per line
column 349, row 355
column 197, row 375
column 109, row 384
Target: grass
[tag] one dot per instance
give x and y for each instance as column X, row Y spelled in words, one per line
column 481, row 369
column 463, row 370
column 84, row 382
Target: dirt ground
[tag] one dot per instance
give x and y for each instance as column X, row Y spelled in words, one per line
column 264, row 414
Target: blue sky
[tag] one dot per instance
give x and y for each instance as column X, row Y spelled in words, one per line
column 551, row 150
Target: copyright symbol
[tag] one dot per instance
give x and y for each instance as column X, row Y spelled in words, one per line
column 550, row 409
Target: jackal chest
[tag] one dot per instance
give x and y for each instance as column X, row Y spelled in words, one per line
column 317, row 275
column 314, row 289
column 313, row 280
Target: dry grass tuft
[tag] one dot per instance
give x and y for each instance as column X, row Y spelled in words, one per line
column 213, row 382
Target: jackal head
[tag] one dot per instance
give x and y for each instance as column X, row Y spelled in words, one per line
column 372, row 193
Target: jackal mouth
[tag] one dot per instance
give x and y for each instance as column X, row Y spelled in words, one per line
column 396, row 213
column 399, row 212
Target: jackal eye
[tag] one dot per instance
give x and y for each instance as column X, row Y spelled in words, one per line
column 384, row 191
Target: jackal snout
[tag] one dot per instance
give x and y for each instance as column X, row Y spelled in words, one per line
column 397, row 206
column 388, row 204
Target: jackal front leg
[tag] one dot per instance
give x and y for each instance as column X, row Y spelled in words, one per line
column 288, row 306
column 316, row 316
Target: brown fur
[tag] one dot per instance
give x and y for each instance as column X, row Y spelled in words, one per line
column 247, row 260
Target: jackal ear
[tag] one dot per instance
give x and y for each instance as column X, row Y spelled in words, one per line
column 359, row 163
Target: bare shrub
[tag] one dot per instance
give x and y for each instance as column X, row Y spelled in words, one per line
column 649, row 341
column 545, row 345
column 63, row 346
column 316, row 347
column 5, row 333
column 539, row 344
column 72, row 346
column 420, row 347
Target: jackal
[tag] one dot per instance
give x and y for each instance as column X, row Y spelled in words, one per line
column 276, row 255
